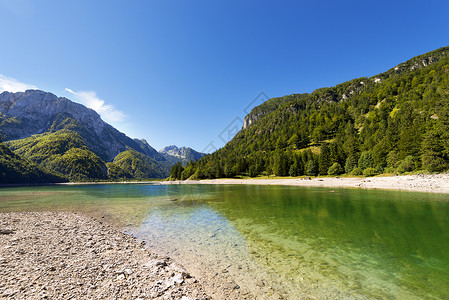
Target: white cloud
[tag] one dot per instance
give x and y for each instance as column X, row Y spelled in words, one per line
column 12, row 85
column 91, row 100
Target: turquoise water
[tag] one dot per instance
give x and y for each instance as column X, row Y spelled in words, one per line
column 303, row 242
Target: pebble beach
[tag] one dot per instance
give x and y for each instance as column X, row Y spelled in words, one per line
column 64, row 255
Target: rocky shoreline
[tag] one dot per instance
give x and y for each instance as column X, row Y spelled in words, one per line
column 433, row 183
column 65, row 255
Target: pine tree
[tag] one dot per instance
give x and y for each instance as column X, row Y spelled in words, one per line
column 325, row 159
column 433, row 158
column 366, row 160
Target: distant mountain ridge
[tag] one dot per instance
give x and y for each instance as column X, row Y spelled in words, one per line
column 184, row 154
column 32, row 112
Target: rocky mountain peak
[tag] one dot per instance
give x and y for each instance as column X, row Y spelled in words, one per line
column 184, row 154
column 32, row 112
column 167, row 149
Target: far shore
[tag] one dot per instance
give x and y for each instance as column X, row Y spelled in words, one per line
column 431, row 183
column 437, row 183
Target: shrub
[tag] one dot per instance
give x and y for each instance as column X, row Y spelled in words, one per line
column 393, row 159
column 357, row 171
column 351, row 163
column 370, row 172
column 335, row 169
column 311, row 168
column 433, row 163
column 366, row 160
column 406, row 165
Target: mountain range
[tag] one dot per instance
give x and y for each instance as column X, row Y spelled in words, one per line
column 394, row 122
column 69, row 140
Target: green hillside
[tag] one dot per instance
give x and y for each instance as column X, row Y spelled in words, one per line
column 394, row 122
column 64, row 152
column 138, row 165
column 15, row 169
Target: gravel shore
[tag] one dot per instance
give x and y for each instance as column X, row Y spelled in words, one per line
column 433, row 183
column 64, row 255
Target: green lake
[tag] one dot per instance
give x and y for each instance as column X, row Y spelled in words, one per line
column 303, row 242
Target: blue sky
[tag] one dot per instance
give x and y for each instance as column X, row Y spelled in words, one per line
column 183, row 72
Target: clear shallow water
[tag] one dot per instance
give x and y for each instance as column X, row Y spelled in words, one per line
column 301, row 241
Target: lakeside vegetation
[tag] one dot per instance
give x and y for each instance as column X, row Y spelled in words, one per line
column 394, row 122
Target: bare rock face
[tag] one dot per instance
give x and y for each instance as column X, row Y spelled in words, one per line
column 251, row 118
column 32, row 112
column 184, row 154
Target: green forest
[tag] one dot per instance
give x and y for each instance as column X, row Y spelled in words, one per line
column 15, row 169
column 392, row 123
column 63, row 156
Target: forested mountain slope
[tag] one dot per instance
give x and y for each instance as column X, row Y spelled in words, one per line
column 140, row 166
column 394, row 122
column 63, row 152
column 14, row 169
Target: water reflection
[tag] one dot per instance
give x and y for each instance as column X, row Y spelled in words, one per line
column 374, row 243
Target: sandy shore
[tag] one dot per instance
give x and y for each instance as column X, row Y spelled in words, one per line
column 61, row 255
column 438, row 183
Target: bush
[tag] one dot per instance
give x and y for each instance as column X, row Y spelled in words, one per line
column 311, row 168
column 433, row 163
column 390, row 170
column 252, row 172
column 370, row 172
column 366, row 160
column 351, row 163
column 357, row 171
column 393, row 159
column 406, row 165
column 335, row 169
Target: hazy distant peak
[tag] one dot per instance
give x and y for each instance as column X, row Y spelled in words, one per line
column 169, row 148
column 182, row 154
